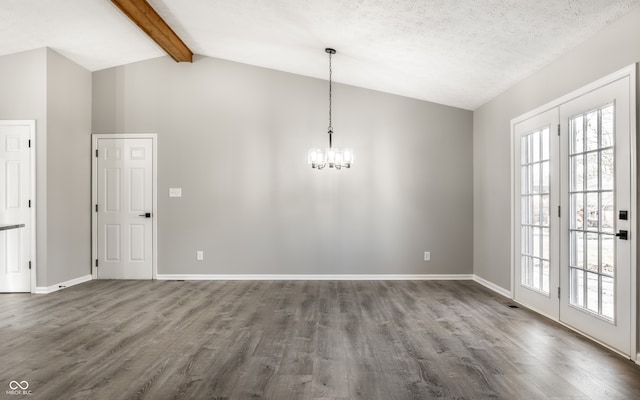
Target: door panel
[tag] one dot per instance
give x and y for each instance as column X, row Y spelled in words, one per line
column 112, row 243
column 595, row 264
column 13, row 246
column 136, row 188
column 15, row 193
column 124, row 197
column 138, row 240
column 537, row 249
column 112, row 189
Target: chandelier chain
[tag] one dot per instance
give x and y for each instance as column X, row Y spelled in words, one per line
column 330, row 92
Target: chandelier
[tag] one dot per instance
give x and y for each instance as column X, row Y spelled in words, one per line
column 331, row 157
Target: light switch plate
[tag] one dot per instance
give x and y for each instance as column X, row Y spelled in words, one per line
column 175, row 192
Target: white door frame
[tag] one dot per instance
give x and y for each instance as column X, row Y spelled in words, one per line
column 629, row 71
column 94, row 195
column 31, row 123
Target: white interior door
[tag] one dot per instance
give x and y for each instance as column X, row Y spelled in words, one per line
column 125, row 208
column 15, row 200
column 595, row 264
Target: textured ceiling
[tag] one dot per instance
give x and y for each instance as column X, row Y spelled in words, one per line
column 460, row 53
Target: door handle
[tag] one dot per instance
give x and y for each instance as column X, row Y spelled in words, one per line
column 624, row 235
column 146, row 215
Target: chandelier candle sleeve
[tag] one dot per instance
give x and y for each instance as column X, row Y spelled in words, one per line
column 331, row 157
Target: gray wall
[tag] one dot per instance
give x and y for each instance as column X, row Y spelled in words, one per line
column 23, row 95
column 235, row 137
column 43, row 85
column 615, row 47
column 68, row 169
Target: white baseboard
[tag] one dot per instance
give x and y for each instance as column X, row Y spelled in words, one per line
column 62, row 285
column 493, row 286
column 314, row 277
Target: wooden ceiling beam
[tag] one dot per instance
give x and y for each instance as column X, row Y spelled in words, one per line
column 143, row 15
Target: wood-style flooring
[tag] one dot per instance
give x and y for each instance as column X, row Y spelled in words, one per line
column 296, row 340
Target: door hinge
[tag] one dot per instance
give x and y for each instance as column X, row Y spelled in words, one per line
column 558, row 129
column 96, row 262
column 558, row 211
column 558, row 291
column 96, row 208
column 29, row 264
column 96, row 153
column 29, row 143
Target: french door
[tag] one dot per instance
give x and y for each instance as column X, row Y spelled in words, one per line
column 574, row 213
column 537, row 181
column 596, row 192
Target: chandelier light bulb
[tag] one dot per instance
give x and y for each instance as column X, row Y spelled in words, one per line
column 331, row 157
column 314, row 157
column 347, row 158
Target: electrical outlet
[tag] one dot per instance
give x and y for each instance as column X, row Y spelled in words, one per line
column 199, row 255
column 427, row 256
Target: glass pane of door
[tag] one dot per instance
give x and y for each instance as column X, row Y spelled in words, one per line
column 534, row 200
column 591, row 226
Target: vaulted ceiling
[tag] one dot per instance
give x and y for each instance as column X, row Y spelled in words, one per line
column 460, row 53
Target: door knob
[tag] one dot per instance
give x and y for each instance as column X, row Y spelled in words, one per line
column 624, row 235
column 146, row 215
